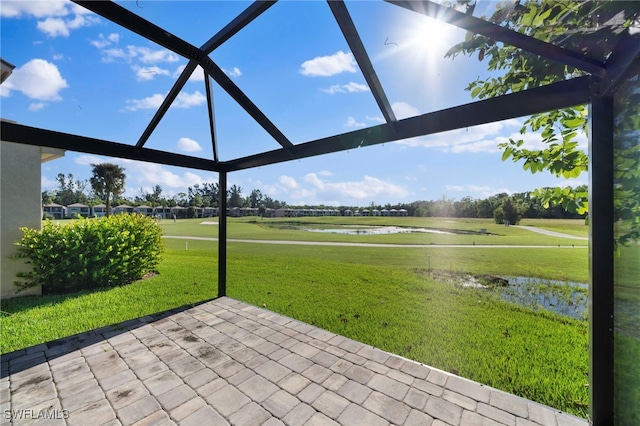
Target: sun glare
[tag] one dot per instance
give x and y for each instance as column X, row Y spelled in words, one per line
column 421, row 42
column 428, row 37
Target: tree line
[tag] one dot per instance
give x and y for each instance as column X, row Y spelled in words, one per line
column 501, row 207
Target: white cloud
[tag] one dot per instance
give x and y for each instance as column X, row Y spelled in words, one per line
column 150, row 56
column 54, row 27
column 367, row 188
column 36, row 106
column 480, row 146
column 477, row 191
column 103, row 41
column 375, row 119
column 48, row 184
column 37, row 79
column 287, row 182
column 318, row 188
column 113, row 53
column 351, row 122
column 38, row 9
column 404, row 110
column 196, row 75
column 147, row 175
column 58, row 56
column 150, row 102
column 131, row 53
column 148, row 73
column 232, row 72
column 87, row 160
column 184, row 100
column 483, row 138
column 60, row 17
column 351, row 87
column 188, row 145
column 325, row 66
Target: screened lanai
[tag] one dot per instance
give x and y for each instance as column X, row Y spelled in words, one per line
column 592, row 58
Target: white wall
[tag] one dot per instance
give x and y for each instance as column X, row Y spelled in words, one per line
column 20, row 205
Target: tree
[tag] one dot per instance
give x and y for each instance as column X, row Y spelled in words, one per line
column 70, row 191
column 47, row 198
column 507, row 212
column 255, row 199
column 585, row 26
column 235, row 196
column 107, row 179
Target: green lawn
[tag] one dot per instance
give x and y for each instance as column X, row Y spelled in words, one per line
column 380, row 296
column 256, row 228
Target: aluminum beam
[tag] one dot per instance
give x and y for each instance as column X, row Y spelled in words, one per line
column 212, row 116
column 249, row 14
column 350, row 33
column 601, row 261
column 554, row 96
column 234, row 91
column 222, row 234
column 121, row 16
column 623, row 55
column 505, row 35
column 166, row 103
column 18, row 133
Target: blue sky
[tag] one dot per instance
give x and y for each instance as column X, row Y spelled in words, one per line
column 79, row 73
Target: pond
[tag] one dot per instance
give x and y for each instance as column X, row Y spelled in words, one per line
column 564, row 298
column 375, row 230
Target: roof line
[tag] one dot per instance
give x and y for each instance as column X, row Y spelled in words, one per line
column 576, row 91
column 18, row 133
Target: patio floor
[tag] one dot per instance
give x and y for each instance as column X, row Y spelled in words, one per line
column 226, row 362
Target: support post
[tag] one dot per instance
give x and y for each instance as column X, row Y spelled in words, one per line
column 601, row 258
column 222, row 234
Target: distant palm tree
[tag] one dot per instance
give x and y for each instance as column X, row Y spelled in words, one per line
column 107, row 179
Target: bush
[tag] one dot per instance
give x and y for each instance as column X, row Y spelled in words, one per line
column 90, row 253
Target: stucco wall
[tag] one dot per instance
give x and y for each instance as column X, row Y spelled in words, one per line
column 20, row 205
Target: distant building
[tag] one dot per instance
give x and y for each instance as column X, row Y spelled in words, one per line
column 78, row 209
column 55, row 211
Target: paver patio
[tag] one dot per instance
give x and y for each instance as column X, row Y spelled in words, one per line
column 226, row 362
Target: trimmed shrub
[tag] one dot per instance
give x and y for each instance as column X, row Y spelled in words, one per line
column 90, row 253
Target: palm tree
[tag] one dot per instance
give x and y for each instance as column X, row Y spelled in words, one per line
column 107, row 179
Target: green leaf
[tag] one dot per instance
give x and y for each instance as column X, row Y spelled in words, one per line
column 574, row 122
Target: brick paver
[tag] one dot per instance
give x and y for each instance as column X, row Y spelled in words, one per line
column 224, row 362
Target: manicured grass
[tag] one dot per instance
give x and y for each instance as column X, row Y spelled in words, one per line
column 255, row 228
column 380, row 296
column 184, row 277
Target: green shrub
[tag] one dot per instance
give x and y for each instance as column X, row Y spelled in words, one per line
column 90, row 253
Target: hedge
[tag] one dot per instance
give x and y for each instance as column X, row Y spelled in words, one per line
column 90, row 253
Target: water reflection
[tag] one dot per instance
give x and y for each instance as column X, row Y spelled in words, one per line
column 564, row 298
column 377, row 230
